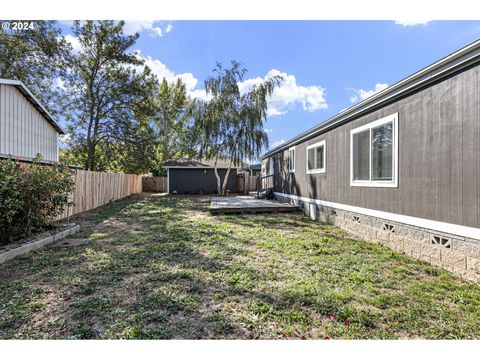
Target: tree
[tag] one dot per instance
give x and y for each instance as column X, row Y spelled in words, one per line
column 134, row 151
column 37, row 57
column 172, row 123
column 106, row 93
column 230, row 125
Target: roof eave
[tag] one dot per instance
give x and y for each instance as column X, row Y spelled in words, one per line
column 35, row 102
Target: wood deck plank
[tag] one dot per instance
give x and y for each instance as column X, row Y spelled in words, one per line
column 224, row 204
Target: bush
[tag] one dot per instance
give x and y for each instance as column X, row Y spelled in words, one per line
column 31, row 195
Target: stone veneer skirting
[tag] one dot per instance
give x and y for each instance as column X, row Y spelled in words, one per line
column 459, row 255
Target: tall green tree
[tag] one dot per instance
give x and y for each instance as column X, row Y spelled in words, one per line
column 134, row 151
column 108, row 88
column 230, row 124
column 173, row 123
column 37, row 57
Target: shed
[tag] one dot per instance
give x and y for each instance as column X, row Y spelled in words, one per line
column 26, row 127
column 193, row 176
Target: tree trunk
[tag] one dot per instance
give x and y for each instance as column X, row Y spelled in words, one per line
column 92, row 145
column 89, row 144
column 219, row 188
column 226, row 178
column 91, row 133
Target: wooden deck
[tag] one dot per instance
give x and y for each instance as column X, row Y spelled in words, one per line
column 231, row 204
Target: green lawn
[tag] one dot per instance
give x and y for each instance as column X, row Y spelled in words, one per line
column 163, row 267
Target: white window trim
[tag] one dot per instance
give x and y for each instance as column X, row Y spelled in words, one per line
column 271, row 166
column 377, row 183
column 321, row 170
column 294, row 156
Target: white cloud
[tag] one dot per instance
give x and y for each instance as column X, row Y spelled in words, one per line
column 277, row 143
column 268, row 130
column 417, row 22
column 133, row 26
column 72, row 40
column 289, row 94
column 361, row 94
column 285, row 97
column 162, row 71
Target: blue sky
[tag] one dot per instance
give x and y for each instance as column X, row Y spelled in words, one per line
column 327, row 65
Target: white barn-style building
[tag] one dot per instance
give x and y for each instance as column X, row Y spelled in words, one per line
column 26, row 127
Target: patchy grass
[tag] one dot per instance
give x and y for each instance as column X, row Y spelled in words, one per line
column 157, row 267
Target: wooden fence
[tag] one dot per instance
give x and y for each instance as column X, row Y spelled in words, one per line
column 155, row 183
column 93, row 189
column 246, row 183
column 252, row 183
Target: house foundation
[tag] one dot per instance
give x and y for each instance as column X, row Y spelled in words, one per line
column 456, row 254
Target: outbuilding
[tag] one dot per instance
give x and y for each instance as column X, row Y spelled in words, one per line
column 192, row 176
column 26, row 127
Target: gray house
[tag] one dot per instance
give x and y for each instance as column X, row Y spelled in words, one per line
column 191, row 176
column 26, row 127
column 401, row 167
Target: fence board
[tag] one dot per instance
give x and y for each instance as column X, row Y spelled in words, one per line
column 94, row 189
column 252, row 182
column 246, row 183
column 154, row 183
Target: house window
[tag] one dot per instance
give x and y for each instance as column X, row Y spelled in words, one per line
column 374, row 153
column 264, row 167
column 268, row 166
column 316, row 158
column 291, row 159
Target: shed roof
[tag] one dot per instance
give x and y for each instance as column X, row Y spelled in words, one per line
column 34, row 101
column 197, row 164
column 460, row 59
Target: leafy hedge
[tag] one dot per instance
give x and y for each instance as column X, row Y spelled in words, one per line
column 31, row 195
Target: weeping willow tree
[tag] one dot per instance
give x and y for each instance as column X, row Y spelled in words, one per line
column 230, row 124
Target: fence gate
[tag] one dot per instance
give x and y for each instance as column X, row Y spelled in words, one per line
column 252, row 182
column 246, row 183
column 241, row 183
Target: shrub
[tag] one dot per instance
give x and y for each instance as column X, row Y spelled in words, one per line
column 31, row 195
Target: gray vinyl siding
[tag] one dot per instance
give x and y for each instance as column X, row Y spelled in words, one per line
column 24, row 132
column 191, row 181
column 439, row 157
